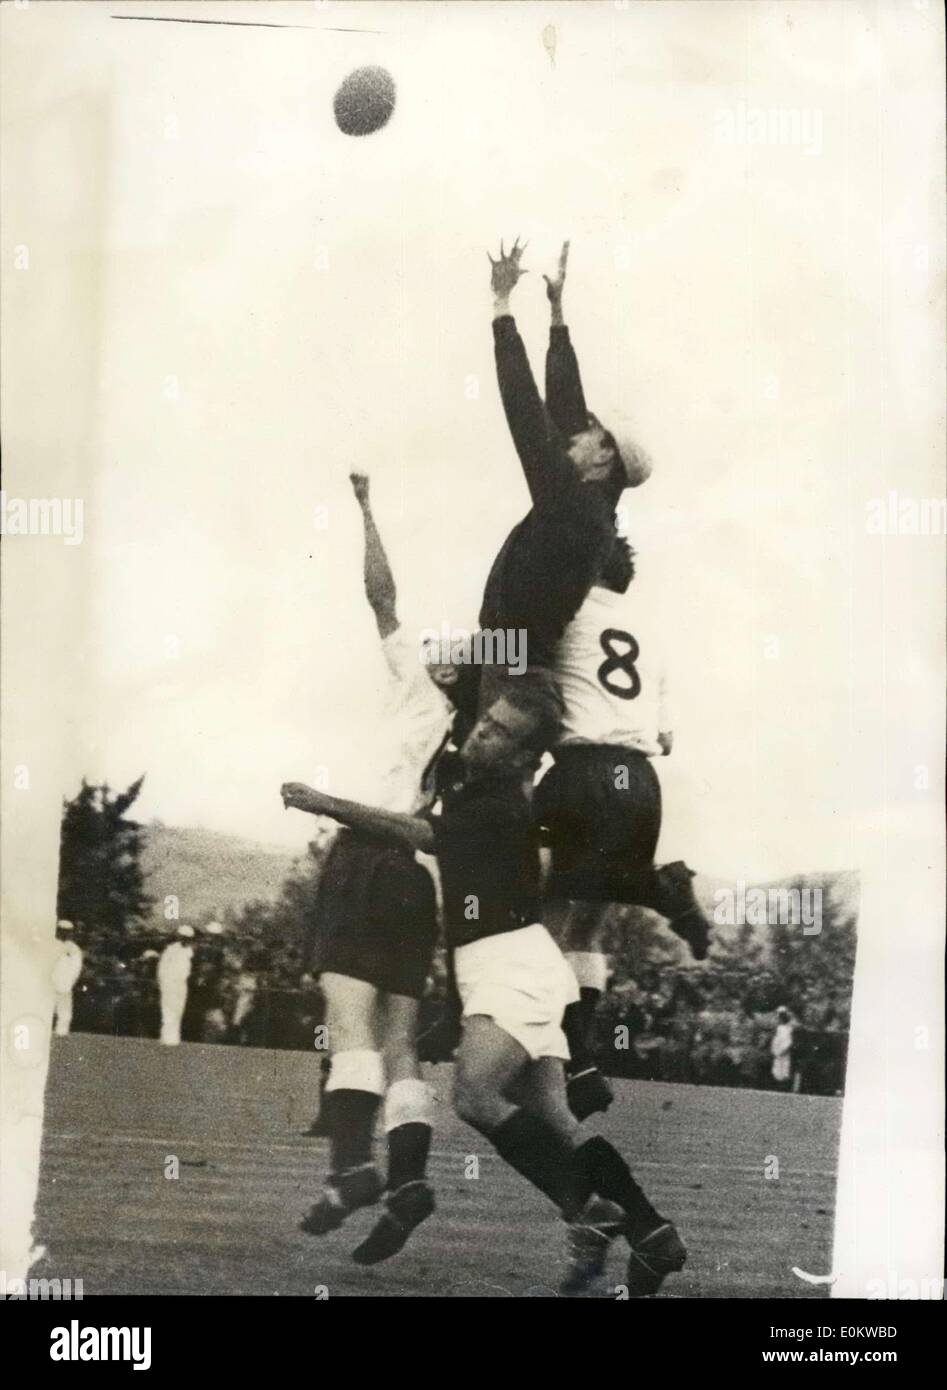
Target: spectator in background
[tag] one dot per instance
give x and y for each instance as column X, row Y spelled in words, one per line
column 214, row 1025
column 174, row 969
column 244, row 997
column 674, row 1055
column 204, row 1015
column 145, row 968
column 781, row 1050
column 66, row 971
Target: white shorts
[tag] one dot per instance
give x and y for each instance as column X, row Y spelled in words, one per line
column 523, row 982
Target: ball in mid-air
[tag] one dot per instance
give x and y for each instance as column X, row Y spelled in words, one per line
column 364, row 101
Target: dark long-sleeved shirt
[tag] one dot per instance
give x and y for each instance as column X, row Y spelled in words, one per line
column 550, row 559
column 565, row 399
column 487, row 848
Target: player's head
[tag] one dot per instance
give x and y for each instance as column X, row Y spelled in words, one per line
column 594, row 452
column 598, row 453
column 618, row 567
column 444, row 674
column 512, row 734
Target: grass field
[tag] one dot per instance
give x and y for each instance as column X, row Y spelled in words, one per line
column 116, row 1108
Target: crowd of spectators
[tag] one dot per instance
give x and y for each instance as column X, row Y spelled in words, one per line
column 712, row 1026
column 671, row 1026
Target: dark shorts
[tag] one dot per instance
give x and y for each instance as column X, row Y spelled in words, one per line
column 375, row 916
column 600, row 808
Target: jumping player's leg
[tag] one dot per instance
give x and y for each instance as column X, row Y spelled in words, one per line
column 578, row 928
column 408, row 1118
column 351, row 1102
column 590, row 967
column 319, row 1129
column 542, row 1092
column 487, row 1064
column 655, row 1249
column 536, row 1137
column 409, row 1100
column 535, row 1141
column 601, row 805
column 669, row 891
column 371, row 939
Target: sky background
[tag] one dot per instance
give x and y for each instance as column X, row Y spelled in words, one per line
column 261, row 304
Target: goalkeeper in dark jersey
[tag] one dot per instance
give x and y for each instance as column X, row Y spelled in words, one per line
column 575, row 472
column 602, row 827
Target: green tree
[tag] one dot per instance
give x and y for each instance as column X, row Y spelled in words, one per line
column 277, row 930
column 815, row 969
column 101, row 880
column 638, row 941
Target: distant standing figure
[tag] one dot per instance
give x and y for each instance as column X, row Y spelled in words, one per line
column 66, row 971
column 245, row 988
column 174, row 969
column 781, row 1048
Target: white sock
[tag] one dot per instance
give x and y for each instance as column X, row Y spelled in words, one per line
column 357, row 1069
column 409, row 1102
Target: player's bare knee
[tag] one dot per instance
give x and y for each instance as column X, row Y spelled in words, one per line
column 476, row 1101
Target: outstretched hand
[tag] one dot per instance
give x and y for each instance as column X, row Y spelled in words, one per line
column 360, row 484
column 554, row 286
column 507, row 270
column 298, row 797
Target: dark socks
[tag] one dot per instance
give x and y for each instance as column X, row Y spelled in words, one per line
column 408, row 1148
column 548, row 1161
column 609, row 1175
column 573, row 1025
column 577, row 1024
column 351, row 1124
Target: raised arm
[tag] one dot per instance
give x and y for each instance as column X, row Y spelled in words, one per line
column 565, row 399
column 414, row 831
column 379, row 581
column 522, row 403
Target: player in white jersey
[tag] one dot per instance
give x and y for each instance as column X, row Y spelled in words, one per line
column 601, row 801
column 613, row 677
column 371, row 942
